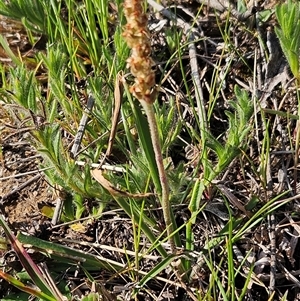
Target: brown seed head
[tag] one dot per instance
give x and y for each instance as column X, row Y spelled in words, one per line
column 137, row 37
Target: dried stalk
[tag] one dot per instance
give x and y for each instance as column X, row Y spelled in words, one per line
column 137, row 37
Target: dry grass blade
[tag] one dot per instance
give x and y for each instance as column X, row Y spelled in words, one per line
column 98, row 175
column 118, row 99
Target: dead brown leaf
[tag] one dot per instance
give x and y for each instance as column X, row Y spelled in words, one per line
column 98, row 176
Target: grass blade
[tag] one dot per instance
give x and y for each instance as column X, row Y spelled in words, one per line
column 21, row 286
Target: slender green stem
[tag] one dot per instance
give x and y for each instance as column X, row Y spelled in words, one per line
column 165, row 191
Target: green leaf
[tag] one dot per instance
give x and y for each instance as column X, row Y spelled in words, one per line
column 157, row 269
column 29, row 290
column 9, row 53
column 70, row 255
column 146, row 144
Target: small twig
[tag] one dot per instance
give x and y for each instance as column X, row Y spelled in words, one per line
column 196, row 80
column 289, row 275
column 110, row 248
column 46, row 274
column 103, row 166
column 117, row 97
column 25, row 173
column 57, row 211
column 272, row 222
column 225, row 5
column 23, row 160
column 296, row 158
column 83, row 122
column 31, row 180
column 278, row 276
column 19, row 131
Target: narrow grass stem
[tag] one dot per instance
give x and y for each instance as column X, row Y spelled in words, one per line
column 165, row 191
